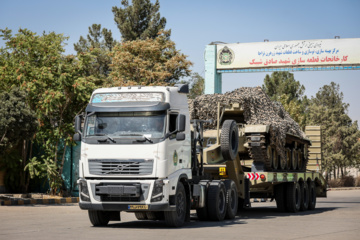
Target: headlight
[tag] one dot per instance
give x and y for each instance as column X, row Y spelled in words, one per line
column 157, row 193
column 83, row 190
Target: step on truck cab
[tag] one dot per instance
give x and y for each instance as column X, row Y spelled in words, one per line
column 141, row 153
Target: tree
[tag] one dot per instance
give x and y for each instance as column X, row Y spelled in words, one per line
column 148, row 62
column 57, row 88
column 340, row 135
column 282, row 87
column 197, row 84
column 99, row 44
column 141, row 20
column 18, row 123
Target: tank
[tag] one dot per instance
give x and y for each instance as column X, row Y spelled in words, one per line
column 268, row 139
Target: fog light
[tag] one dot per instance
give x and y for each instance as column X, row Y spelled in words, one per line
column 157, row 193
column 83, row 190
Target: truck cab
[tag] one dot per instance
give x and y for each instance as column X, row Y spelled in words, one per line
column 135, row 148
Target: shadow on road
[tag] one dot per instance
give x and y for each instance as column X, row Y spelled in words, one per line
column 241, row 218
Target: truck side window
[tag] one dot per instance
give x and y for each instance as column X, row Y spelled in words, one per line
column 172, row 123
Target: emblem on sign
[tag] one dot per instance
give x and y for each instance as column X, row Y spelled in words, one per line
column 226, row 56
column 175, row 158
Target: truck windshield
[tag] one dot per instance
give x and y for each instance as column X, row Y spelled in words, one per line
column 115, row 125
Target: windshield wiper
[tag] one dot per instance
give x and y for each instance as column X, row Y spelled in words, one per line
column 108, row 137
column 145, row 139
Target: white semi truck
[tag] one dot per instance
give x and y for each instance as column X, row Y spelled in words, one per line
column 141, row 153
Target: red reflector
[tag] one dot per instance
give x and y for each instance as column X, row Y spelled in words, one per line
column 262, row 176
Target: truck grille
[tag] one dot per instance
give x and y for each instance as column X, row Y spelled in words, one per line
column 121, row 166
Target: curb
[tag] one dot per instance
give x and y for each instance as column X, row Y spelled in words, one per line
column 15, row 202
column 343, row 188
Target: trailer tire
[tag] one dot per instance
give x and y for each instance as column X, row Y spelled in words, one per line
column 293, row 197
column 304, row 205
column 229, row 140
column 177, row 218
column 280, row 197
column 216, row 201
column 141, row 215
column 98, row 218
column 232, row 199
column 312, row 196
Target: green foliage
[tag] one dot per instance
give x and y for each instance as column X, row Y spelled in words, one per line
column 57, row 87
column 282, row 87
column 197, row 83
column 98, row 45
column 140, row 20
column 17, row 121
column 148, row 62
column 340, row 135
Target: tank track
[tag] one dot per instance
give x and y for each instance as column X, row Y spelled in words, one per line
column 258, row 151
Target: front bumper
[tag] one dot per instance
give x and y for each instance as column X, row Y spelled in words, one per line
column 126, row 207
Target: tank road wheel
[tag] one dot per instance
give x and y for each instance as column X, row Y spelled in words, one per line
column 293, row 197
column 216, row 201
column 312, row 196
column 300, row 160
column 288, row 158
column 283, row 163
column 229, row 140
column 232, row 199
column 275, row 159
column 141, row 215
column 293, row 159
column 98, row 218
column 280, row 197
column 177, row 218
column 304, row 204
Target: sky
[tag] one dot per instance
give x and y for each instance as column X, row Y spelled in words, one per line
column 196, row 23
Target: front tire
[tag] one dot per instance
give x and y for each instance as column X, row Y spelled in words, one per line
column 98, row 218
column 177, row 218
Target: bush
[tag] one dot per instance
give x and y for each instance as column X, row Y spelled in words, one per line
column 346, row 181
column 357, row 182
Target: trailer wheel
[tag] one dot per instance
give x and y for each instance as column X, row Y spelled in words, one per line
column 293, row 197
column 141, row 215
column 229, row 140
column 177, row 218
column 304, row 205
column 280, row 197
column 216, row 201
column 98, row 218
column 312, row 196
column 232, row 199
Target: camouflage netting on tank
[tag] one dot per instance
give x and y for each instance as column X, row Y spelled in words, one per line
column 258, row 109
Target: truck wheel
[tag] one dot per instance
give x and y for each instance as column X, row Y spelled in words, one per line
column 216, row 201
column 312, row 196
column 304, row 205
column 280, row 195
column 141, row 215
column 229, row 140
column 232, row 199
column 293, row 197
column 177, row 218
column 98, row 218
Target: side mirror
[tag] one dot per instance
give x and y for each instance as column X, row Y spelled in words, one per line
column 77, row 137
column 180, row 123
column 78, row 119
column 180, row 136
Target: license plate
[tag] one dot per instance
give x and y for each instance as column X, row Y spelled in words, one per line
column 136, row 207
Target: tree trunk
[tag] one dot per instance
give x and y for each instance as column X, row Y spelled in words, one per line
column 28, row 175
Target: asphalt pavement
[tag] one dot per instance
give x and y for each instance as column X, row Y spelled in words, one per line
column 335, row 217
